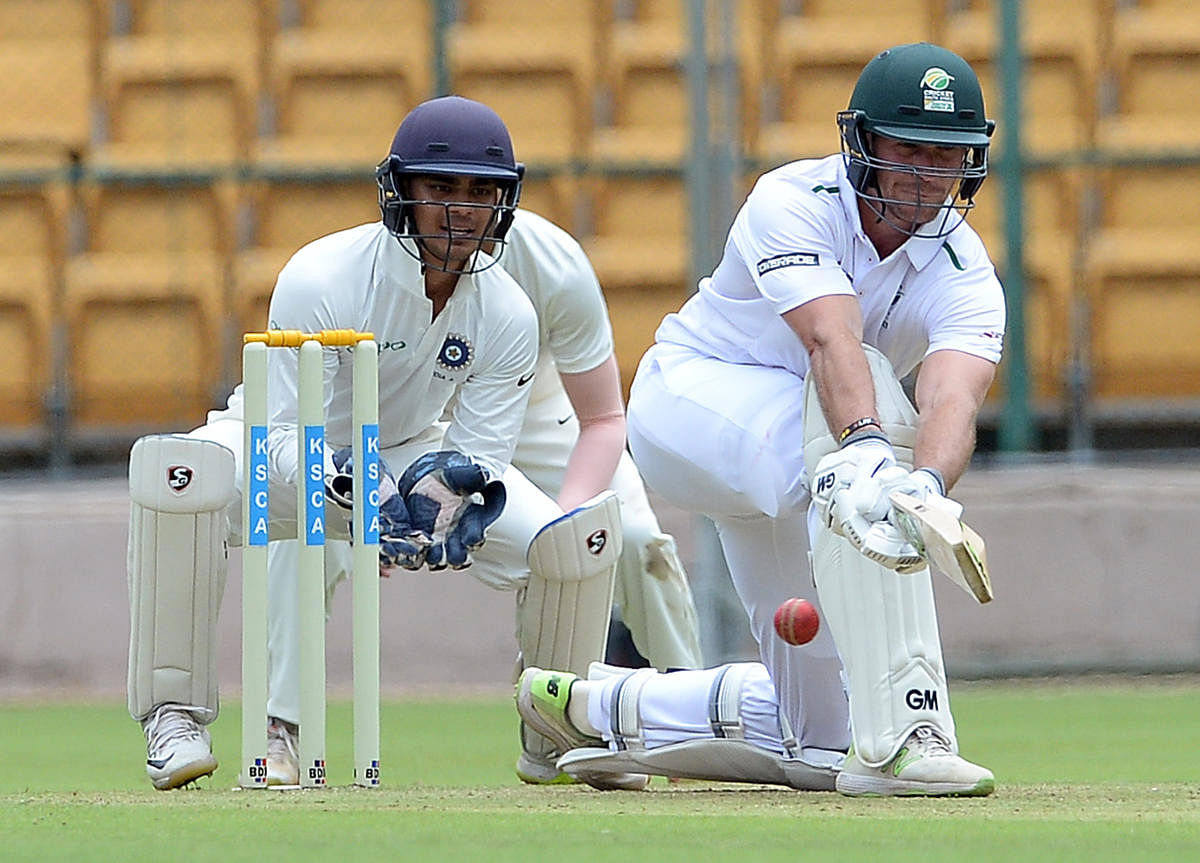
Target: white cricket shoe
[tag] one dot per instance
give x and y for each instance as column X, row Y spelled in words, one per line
column 542, row 698
column 178, row 747
column 283, row 756
column 925, row 766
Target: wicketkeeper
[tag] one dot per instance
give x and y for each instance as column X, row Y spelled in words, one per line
column 458, row 349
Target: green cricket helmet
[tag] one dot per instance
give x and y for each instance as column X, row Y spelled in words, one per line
column 922, row 94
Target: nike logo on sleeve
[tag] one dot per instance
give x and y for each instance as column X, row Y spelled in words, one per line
column 524, row 379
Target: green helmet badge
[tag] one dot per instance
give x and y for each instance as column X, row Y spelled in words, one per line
column 937, row 92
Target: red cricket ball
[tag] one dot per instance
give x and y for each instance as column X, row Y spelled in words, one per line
column 796, row 621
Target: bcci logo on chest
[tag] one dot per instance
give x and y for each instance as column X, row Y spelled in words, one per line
column 456, row 353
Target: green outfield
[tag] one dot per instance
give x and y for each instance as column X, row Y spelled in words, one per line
column 1092, row 770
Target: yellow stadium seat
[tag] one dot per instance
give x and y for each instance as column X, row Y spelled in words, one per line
column 285, row 216
column 1144, row 303
column 1142, row 263
column 26, row 316
column 46, row 87
column 815, row 60
column 554, row 196
column 635, row 315
column 343, row 78
column 145, row 305
column 1060, row 78
column 648, row 88
column 644, row 59
column 32, row 238
column 534, row 63
column 1052, row 202
column 640, row 230
column 1155, row 58
column 1133, row 192
column 1049, row 278
column 51, row 19
column 639, row 251
column 183, row 85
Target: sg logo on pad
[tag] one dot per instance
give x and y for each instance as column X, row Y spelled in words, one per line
column 597, row 541
column 179, row 477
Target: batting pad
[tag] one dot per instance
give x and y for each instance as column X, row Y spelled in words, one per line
column 179, row 488
column 895, row 412
column 563, row 611
column 885, row 626
column 656, row 601
column 727, row 756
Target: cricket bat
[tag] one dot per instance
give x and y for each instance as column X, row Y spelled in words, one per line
column 952, row 547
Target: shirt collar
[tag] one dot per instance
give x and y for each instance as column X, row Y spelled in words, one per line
column 919, row 250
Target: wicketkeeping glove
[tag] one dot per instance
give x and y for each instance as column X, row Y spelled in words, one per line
column 450, row 498
column 401, row 544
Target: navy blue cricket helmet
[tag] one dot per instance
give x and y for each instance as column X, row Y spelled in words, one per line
column 453, row 136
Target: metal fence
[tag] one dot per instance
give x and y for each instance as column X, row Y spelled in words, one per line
column 161, row 159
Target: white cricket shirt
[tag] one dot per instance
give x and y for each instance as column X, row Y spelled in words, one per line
column 798, row 237
column 552, row 268
column 482, row 346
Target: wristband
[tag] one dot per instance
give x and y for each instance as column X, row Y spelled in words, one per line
column 858, row 424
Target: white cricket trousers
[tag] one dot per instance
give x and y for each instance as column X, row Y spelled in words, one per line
column 652, row 589
column 726, row 441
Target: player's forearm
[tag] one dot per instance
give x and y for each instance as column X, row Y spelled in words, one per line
column 946, row 439
column 951, row 387
column 844, row 384
column 595, row 396
column 593, row 460
column 831, row 331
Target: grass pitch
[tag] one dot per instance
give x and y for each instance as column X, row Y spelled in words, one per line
column 1086, row 771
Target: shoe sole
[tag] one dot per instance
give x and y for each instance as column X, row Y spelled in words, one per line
column 603, row 780
column 560, row 778
column 535, row 721
column 851, row 785
column 526, row 707
column 184, row 775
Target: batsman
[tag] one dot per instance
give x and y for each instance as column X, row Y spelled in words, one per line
column 772, row 403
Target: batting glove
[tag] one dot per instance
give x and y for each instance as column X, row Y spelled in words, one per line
column 841, row 468
column 450, row 498
column 851, row 490
column 927, row 486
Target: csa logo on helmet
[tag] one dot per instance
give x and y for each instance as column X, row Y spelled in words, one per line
column 936, row 90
